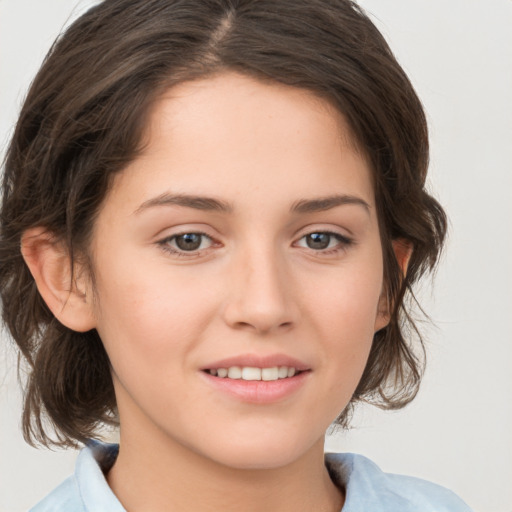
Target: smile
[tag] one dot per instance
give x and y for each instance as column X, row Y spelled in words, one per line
column 256, row 378
column 254, row 373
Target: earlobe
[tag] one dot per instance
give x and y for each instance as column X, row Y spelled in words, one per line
column 49, row 263
column 383, row 313
column 403, row 251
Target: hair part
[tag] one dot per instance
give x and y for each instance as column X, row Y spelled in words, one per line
column 83, row 121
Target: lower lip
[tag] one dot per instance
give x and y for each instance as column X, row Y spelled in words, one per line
column 258, row 391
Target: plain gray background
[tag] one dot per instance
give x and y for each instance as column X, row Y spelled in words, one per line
column 458, row 54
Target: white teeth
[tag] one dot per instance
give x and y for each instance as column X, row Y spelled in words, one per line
column 235, row 372
column 249, row 373
column 254, row 373
column 269, row 373
column 282, row 372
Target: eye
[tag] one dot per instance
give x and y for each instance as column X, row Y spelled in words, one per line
column 187, row 242
column 322, row 240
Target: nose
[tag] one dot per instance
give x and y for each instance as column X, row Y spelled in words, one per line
column 260, row 297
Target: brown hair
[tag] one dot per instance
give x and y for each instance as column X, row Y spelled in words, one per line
column 82, row 122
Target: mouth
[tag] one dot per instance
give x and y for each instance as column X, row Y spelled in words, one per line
column 258, row 379
column 253, row 373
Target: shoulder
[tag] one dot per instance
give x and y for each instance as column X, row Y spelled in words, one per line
column 66, row 497
column 366, row 485
column 87, row 489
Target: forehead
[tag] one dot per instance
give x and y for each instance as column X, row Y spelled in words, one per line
column 227, row 100
column 233, row 135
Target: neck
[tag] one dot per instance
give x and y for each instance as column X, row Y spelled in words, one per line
column 152, row 473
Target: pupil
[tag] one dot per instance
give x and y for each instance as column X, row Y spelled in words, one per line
column 318, row 240
column 188, row 241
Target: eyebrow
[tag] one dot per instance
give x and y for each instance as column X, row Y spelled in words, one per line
column 211, row 204
column 189, row 201
column 326, row 203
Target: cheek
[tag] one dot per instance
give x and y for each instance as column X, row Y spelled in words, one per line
column 151, row 316
column 344, row 314
column 347, row 300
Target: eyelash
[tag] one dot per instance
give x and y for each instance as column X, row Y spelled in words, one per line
column 344, row 243
column 164, row 244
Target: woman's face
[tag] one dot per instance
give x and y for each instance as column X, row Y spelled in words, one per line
column 244, row 239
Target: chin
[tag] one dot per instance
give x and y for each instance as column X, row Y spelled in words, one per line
column 258, row 453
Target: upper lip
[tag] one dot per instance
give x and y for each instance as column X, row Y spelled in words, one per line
column 258, row 361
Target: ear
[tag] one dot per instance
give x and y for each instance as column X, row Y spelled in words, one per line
column 68, row 295
column 403, row 252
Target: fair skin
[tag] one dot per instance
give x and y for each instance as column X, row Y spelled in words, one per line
column 284, row 268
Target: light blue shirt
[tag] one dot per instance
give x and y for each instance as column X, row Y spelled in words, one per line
column 367, row 488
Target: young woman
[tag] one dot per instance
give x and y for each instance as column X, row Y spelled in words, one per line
column 212, row 214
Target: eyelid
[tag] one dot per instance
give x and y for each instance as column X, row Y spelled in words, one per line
column 165, row 246
column 344, row 242
column 338, row 231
